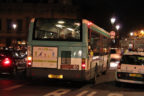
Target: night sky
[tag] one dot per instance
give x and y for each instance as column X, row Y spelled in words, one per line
column 129, row 13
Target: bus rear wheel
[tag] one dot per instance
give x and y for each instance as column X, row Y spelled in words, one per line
column 95, row 77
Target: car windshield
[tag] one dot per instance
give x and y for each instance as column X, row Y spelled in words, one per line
column 133, row 59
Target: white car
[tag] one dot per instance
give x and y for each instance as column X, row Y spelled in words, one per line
column 131, row 68
column 114, row 63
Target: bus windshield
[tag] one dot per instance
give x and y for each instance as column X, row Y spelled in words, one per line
column 57, row 30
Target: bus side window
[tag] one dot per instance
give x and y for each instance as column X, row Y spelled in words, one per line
column 95, row 43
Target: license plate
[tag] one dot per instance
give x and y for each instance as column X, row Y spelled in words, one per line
column 55, row 76
column 69, row 67
column 135, row 75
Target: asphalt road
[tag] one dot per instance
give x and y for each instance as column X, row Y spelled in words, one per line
column 105, row 86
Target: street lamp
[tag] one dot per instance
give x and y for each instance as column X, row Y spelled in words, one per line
column 132, row 46
column 117, row 27
column 113, row 19
column 142, row 32
column 14, row 26
column 131, row 33
column 117, row 35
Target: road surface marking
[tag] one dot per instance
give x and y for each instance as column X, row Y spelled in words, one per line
column 115, row 94
column 13, row 87
column 82, row 93
column 58, row 92
column 86, row 92
column 92, row 93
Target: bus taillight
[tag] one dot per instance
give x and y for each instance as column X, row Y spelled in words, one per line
column 83, row 64
column 29, row 61
column 89, row 23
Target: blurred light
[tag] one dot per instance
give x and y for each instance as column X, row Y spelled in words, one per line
column 80, row 53
column 61, row 22
column 74, row 53
column 6, row 62
column 77, row 24
column 114, row 64
column 14, row 26
column 70, row 29
column 23, row 42
column 29, row 58
column 32, row 20
column 83, row 64
column 60, row 26
column 117, row 27
column 89, row 23
column 113, row 19
column 142, row 32
column 16, row 54
column 131, row 34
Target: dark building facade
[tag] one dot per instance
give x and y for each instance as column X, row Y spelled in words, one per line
column 16, row 14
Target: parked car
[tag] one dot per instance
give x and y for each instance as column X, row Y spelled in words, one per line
column 115, row 56
column 114, row 63
column 20, row 59
column 12, row 61
column 7, row 62
column 131, row 68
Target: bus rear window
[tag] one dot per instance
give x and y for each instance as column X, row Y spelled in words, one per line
column 57, row 30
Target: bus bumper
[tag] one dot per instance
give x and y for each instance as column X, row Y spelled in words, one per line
column 74, row 75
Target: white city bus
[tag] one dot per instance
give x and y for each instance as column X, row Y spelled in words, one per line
column 72, row 49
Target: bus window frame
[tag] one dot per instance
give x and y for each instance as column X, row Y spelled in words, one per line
column 101, row 38
column 81, row 33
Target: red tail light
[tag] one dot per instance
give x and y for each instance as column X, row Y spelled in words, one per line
column 89, row 23
column 119, row 66
column 29, row 61
column 6, row 62
column 83, row 64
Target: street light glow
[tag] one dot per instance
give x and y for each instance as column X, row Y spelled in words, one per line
column 113, row 20
column 14, row 26
column 142, row 32
column 117, row 27
column 131, row 34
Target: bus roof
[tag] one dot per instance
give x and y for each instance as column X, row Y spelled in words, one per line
column 96, row 28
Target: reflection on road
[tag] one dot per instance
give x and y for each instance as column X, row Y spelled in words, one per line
column 105, row 86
